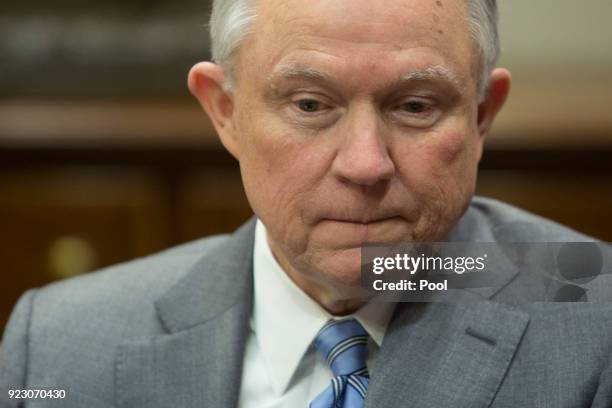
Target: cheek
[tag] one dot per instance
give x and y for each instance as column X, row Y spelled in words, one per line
column 454, row 170
column 456, row 144
column 268, row 170
column 434, row 155
column 440, row 168
column 450, row 150
column 439, row 174
column 281, row 172
column 453, row 156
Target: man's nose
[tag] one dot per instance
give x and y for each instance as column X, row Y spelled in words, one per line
column 363, row 156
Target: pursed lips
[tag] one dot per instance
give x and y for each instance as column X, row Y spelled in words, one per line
column 362, row 220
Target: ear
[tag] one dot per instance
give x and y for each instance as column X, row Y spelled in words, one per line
column 205, row 82
column 495, row 97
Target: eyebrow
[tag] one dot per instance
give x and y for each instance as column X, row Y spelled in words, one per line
column 433, row 74
column 436, row 73
column 293, row 71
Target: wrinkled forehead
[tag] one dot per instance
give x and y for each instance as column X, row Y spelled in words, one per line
column 428, row 32
column 393, row 15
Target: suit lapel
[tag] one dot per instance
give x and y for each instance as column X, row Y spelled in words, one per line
column 441, row 355
column 198, row 362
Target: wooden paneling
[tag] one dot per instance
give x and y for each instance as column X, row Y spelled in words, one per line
column 211, row 202
column 65, row 218
column 58, row 222
column 582, row 201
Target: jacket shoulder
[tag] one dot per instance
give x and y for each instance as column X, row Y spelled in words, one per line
column 77, row 323
column 128, row 287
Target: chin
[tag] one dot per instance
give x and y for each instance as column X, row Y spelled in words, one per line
column 342, row 268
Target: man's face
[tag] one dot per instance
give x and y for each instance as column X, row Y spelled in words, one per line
column 355, row 121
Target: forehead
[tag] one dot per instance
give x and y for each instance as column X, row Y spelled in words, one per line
column 360, row 36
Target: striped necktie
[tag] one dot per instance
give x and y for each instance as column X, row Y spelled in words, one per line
column 343, row 344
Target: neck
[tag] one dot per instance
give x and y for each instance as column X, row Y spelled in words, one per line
column 337, row 303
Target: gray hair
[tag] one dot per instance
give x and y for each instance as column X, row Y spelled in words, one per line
column 231, row 21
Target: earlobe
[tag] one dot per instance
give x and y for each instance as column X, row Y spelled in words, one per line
column 495, row 97
column 205, row 81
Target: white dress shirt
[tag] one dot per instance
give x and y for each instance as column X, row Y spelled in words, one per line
column 281, row 368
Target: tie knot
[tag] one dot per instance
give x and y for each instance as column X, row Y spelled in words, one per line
column 343, row 343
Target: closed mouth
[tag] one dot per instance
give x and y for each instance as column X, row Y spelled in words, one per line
column 363, row 221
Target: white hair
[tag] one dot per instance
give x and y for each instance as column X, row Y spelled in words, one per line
column 483, row 17
column 231, row 20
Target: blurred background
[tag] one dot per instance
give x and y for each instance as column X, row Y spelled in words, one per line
column 105, row 157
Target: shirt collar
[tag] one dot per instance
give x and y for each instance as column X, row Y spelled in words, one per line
column 285, row 320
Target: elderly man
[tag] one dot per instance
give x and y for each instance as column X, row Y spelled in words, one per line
column 353, row 121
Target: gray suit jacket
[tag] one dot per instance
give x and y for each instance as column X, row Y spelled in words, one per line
column 169, row 330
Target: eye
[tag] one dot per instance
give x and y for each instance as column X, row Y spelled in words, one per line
column 309, row 105
column 415, row 107
column 416, row 111
column 312, row 110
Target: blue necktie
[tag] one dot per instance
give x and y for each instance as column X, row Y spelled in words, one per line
column 343, row 344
